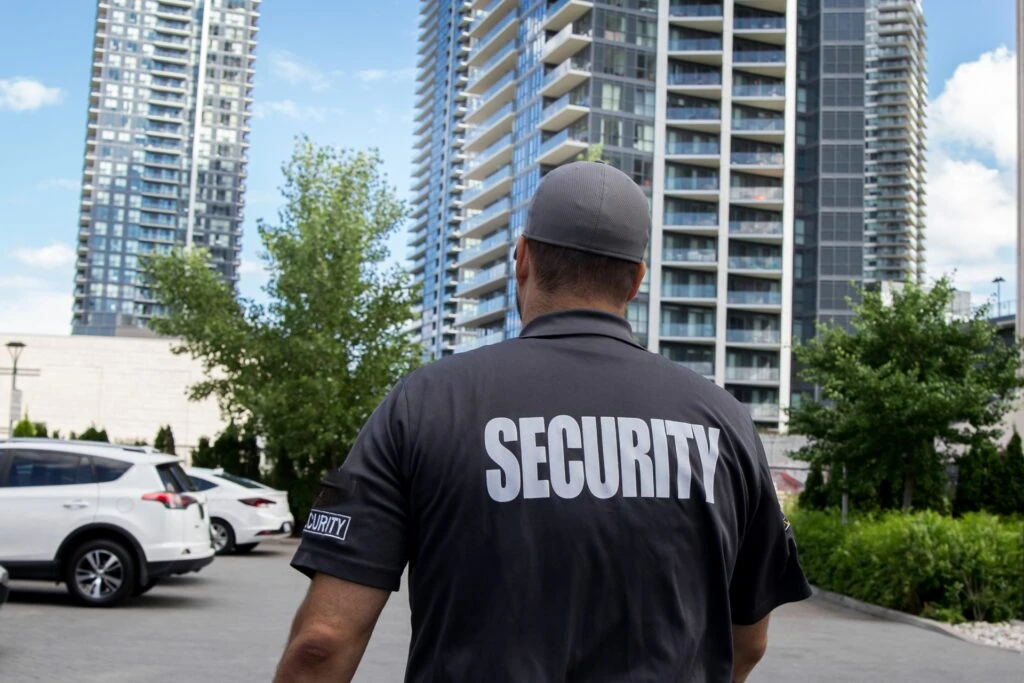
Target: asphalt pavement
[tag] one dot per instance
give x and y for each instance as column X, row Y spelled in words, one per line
column 229, row 623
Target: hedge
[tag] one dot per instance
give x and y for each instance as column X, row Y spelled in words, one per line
column 971, row 568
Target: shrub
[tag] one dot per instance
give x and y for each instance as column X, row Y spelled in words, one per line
column 24, row 428
column 164, row 441
column 921, row 563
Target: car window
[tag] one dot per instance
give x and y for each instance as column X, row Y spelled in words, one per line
column 241, row 481
column 47, row 468
column 170, row 483
column 109, row 470
column 201, row 484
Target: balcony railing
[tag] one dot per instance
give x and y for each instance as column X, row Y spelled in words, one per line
column 483, row 156
column 479, row 247
column 691, row 218
column 484, row 340
column 476, row 131
column 745, row 373
column 685, row 10
column 694, row 113
column 759, row 23
column 754, row 336
column 487, row 183
column 763, row 411
column 574, row 63
column 495, row 30
column 482, row 277
column 493, row 90
column 691, row 183
column 468, row 311
column 759, row 90
column 689, row 255
column 695, row 45
column 772, row 298
column 485, row 215
column 756, row 194
column 758, row 56
column 706, row 368
column 670, row 290
column 566, row 100
column 694, row 330
column 756, row 262
column 692, row 78
column 758, row 158
column 693, row 148
column 567, row 134
column 476, row 74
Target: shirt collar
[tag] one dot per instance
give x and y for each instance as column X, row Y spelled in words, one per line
column 577, row 322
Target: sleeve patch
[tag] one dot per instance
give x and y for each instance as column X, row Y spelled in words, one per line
column 329, row 524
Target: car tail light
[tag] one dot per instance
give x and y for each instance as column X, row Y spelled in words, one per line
column 171, row 501
column 257, row 502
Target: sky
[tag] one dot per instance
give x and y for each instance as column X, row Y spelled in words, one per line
column 343, row 72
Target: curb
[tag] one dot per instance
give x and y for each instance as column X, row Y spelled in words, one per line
column 902, row 617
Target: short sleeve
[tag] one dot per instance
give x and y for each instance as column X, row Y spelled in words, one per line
column 767, row 571
column 357, row 526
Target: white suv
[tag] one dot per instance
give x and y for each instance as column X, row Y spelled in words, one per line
column 106, row 520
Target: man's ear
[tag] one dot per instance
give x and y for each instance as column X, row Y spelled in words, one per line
column 522, row 262
column 638, row 279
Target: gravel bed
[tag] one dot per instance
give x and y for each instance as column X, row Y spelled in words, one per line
column 1007, row 634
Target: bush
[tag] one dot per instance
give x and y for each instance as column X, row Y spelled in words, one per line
column 922, row 563
column 93, row 434
column 991, row 481
column 164, row 441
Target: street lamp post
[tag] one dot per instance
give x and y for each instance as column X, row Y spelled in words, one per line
column 14, row 348
column 998, row 282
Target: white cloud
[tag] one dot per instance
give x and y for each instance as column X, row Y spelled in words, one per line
column 252, row 267
column 52, row 256
column 972, row 213
column 289, row 68
column 396, row 75
column 299, row 112
column 24, row 94
column 31, row 306
column 58, row 184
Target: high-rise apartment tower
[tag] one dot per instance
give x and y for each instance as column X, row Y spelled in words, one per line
column 170, row 100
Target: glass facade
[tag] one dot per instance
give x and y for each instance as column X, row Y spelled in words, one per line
column 166, row 149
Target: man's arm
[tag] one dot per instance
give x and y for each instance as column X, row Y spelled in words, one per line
column 749, row 644
column 330, row 631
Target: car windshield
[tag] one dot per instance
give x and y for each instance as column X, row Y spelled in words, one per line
column 242, row 481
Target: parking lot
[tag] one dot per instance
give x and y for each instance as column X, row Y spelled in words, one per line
column 229, row 623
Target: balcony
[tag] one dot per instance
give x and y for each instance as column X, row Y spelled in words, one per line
column 755, row 337
column 478, row 342
column 758, row 196
column 763, row 95
column 762, row 62
column 489, row 189
column 688, row 330
column 675, row 255
column 699, row 50
column 685, row 291
column 710, row 150
column 475, row 251
column 490, row 73
column 483, row 281
column 759, row 263
column 488, row 16
column 564, row 12
column 565, row 76
column 707, row 83
column 754, row 375
column 756, row 229
column 770, row 299
column 563, row 146
column 565, row 44
column 491, row 43
column 565, row 110
column 493, row 98
column 763, row 412
column 759, row 23
column 707, row 119
column 491, row 159
column 767, row 164
column 692, row 220
column 481, row 313
column 690, row 185
column 489, row 219
column 486, row 132
column 683, row 10
column 705, row 368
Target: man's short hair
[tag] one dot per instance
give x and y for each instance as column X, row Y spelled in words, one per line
column 560, row 270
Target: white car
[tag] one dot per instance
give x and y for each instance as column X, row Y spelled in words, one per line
column 106, row 520
column 243, row 512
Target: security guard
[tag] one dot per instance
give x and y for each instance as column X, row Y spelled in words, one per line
column 571, row 507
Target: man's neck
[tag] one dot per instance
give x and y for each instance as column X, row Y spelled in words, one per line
column 568, row 304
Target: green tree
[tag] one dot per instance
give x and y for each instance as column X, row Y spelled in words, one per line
column 93, row 434
column 311, row 364
column 164, row 440
column 24, row 428
column 899, row 388
column 1010, row 494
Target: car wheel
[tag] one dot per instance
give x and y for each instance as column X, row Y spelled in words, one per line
column 100, row 573
column 243, row 548
column 223, row 536
column 144, row 588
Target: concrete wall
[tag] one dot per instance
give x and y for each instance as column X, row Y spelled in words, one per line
column 127, row 386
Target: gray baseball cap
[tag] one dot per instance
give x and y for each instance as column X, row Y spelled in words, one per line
column 592, row 207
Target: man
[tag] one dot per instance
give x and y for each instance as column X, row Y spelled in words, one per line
column 571, row 507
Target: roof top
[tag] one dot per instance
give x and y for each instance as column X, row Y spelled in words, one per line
column 144, row 454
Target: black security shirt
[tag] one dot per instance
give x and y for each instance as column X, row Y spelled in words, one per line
column 571, row 508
